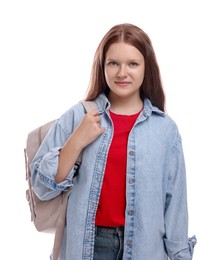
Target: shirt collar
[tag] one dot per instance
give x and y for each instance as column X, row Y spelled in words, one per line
column 149, row 108
column 104, row 104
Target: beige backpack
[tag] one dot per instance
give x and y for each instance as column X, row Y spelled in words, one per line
column 48, row 216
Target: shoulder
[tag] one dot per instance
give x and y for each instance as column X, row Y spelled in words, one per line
column 164, row 124
column 71, row 118
column 158, row 115
column 172, row 133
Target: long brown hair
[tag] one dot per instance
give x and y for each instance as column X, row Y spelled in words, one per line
column 152, row 85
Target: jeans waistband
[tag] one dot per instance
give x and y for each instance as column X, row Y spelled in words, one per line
column 110, row 230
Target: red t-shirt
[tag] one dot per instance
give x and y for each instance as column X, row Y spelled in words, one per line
column 112, row 203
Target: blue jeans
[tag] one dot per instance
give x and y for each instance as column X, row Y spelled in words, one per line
column 109, row 243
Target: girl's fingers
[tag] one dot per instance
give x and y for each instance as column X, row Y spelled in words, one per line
column 94, row 112
column 95, row 115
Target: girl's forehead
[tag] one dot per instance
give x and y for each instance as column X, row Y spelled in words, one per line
column 122, row 49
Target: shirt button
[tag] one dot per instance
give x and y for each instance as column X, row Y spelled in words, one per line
column 128, row 242
column 132, row 153
column 131, row 212
column 131, row 181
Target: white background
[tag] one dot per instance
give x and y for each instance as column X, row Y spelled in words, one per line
column 46, row 52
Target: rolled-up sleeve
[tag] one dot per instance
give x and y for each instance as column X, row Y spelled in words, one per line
column 177, row 243
column 180, row 251
column 43, row 177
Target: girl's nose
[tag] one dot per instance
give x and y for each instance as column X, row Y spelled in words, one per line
column 122, row 72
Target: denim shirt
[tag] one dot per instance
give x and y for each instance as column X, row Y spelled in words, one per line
column 156, row 217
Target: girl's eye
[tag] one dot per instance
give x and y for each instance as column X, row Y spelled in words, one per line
column 133, row 64
column 112, row 63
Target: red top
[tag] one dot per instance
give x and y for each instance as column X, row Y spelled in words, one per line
column 112, row 203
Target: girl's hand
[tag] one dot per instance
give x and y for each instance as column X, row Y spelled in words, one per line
column 88, row 130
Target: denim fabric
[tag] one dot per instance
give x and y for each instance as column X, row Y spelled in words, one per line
column 109, row 243
column 156, row 197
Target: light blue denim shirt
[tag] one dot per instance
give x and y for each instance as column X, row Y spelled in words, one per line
column 156, row 217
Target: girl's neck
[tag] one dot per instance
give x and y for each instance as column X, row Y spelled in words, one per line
column 125, row 106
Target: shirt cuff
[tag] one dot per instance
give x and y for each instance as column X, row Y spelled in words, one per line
column 180, row 251
column 49, row 166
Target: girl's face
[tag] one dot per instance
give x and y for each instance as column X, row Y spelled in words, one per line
column 124, row 70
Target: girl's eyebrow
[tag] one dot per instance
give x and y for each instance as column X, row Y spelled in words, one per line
column 110, row 59
column 131, row 60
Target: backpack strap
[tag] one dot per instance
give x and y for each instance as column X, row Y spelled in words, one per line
column 88, row 106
